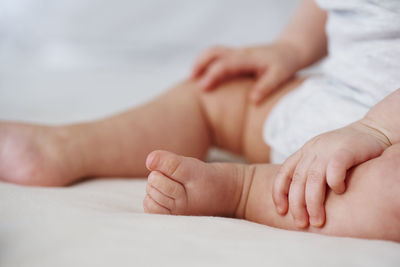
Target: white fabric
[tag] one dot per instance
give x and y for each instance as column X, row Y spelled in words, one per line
column 101, row 223
column 74, row 60
column 319, row 105
column 364, row 45
column 362, row 68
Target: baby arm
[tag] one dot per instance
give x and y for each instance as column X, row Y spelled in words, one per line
column 300, row 184
column 302, row 43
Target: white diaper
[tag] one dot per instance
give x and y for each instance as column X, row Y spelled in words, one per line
column 319, row 105
column 361, row 69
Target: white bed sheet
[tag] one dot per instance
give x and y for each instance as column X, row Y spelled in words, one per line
column 101, row 223
column 68, row 61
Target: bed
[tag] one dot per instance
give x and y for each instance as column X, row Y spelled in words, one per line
column 70, row 61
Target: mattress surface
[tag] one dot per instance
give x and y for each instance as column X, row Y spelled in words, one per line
column 101, row 223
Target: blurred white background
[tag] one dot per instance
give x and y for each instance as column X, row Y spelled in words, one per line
column 73, row 60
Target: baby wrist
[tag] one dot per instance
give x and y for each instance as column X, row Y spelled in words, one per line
column 385, row 116
column 380, row 132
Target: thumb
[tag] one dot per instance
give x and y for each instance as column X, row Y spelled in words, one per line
column 337, row 168
column 356, row 152
column 265, row 84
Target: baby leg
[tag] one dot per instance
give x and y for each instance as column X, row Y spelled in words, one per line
column 182, row 120
column 370, row 208
column 115, row 146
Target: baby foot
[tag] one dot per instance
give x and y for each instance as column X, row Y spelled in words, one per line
column 33, row 155
column 186, row 186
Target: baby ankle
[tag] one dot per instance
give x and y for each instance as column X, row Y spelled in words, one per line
column 247, row 173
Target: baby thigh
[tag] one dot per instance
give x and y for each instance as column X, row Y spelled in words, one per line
column 370, row 208
column 236, row 125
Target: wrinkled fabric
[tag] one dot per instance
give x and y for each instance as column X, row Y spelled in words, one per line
column 363, row 66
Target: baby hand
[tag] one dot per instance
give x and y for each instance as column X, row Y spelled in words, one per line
column 301, row 182
column 271, row 65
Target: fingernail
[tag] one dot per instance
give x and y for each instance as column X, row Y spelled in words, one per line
column 300, row 223
column 313, row 221
column 279, row 208
column 316, row 221
column 150, row 161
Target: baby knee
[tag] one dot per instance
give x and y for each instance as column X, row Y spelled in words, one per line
column 224, row 109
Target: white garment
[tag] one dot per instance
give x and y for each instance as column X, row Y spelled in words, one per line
column 362, row 68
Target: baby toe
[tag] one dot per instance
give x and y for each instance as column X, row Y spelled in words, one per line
column 166, row 185
column 160, row 198
column 167, row 192
column 151, row 206
column 176, row 167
